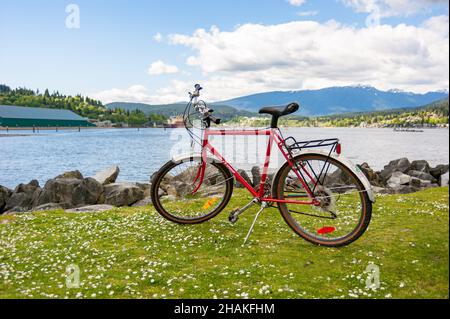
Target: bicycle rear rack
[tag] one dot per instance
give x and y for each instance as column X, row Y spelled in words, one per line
column 292, row 144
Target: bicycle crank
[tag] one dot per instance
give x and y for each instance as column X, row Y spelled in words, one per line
column 234, row 215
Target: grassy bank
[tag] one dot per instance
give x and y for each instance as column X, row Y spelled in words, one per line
column 134, row 253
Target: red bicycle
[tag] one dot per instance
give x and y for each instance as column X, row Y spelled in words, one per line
column 323, row 197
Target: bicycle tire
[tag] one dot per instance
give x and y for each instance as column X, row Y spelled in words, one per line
column 346, row 240
column 156, row 181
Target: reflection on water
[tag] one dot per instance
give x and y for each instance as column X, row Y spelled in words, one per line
column 140, row 153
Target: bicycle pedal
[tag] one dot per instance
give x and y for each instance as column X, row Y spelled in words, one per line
column 233, row 218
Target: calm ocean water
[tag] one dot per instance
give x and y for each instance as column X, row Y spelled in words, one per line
column 140, row 153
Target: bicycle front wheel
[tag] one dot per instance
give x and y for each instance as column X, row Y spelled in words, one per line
column 180, row 195
column 342, row 209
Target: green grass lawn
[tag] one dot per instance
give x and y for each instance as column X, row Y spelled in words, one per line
column 134, row 253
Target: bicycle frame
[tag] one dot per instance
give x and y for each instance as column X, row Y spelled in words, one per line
column 274, row 137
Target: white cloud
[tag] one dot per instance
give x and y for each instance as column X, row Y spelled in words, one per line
column 158, row 37
column 438, row 24
column 296, row 3
column 307, row 54
column 255, row 58
column 389, row 8
column 307, row 13
column 135, row 93
column 176, row 92
column 159, row 67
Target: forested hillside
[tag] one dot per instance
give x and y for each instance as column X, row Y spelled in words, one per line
column 434, row 114
column 224, row 112
column 83, row 106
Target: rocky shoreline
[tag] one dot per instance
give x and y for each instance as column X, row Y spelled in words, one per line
column 402, row 176
column 398, row 177
column 72, row 192
column 75, row 193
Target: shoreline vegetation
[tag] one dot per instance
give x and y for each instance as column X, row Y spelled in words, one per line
column 434, row 115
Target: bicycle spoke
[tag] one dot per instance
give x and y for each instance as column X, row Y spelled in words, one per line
column 312, row 215
column 186, row 194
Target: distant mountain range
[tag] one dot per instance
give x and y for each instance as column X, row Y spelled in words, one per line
column 336, row 100
column 333, row 100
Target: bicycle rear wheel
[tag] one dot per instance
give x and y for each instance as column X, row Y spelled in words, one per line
column 177, row 196
column 343, row 209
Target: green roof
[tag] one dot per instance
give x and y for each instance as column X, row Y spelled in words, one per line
column 20, row 112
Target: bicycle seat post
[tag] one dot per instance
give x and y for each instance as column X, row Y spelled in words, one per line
column 264, row 205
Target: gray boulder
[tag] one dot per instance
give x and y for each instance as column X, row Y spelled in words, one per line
column 146, row 187
column 256, row 176
column 91, row 209
column 71, row 192
column 27, row 188
column 371, row 175
column 70, row 175
column 94, row 191
column 47, row 207
column 399, row 165
column 122, row 194
column 178, row 188
column 337, row 178
column 444, row 180
column 183, row 183
column 144, row 202
column 420, row 166
column 24, row 197
column 5, row 194
column 439, row 170
column 188, row 176
column 245, row 176
column 397, row 179
column 107, row 176
column 419, row 183
column 19, row 202
column 422, row 175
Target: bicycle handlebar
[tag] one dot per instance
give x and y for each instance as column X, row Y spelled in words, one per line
column 203, row 109
column 196, row 93
column 215, row 120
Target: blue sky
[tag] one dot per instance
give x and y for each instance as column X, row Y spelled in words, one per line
column 109, row 56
